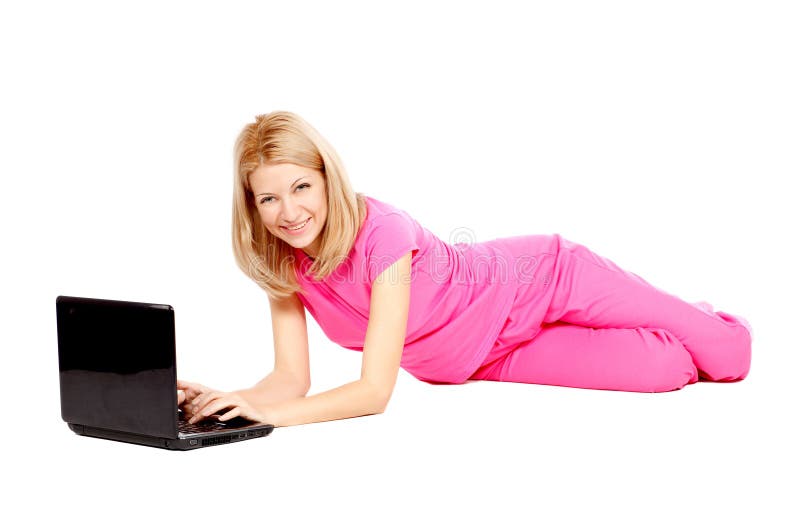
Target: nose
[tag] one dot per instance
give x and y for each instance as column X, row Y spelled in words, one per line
column 290, row 211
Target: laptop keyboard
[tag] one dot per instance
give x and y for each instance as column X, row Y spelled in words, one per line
column 209, row 425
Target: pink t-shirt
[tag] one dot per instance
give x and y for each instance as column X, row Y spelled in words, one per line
column 460, row 297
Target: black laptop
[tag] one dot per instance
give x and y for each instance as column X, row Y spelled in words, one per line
column 119, row 380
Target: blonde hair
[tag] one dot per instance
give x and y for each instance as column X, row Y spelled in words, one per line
column 285, row 137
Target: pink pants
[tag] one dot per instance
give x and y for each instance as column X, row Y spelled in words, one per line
column 607, row 328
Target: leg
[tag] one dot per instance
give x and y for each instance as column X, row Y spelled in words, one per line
column 629, row 359
column 591, row 291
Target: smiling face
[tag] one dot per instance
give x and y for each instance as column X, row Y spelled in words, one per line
column 288, row 195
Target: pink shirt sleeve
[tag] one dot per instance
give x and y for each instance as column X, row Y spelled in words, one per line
column 392, row 235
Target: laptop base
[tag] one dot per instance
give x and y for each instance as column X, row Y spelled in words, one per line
column 175, row 444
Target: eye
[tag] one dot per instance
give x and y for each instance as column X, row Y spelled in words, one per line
column 264, row 200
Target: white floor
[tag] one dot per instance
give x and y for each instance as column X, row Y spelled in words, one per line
column 478, row 445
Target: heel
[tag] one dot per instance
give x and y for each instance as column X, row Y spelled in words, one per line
column 737, row 319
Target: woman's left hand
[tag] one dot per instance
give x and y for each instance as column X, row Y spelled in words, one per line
column 209, row 403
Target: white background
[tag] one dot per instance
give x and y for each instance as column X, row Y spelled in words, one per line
column 662, row 135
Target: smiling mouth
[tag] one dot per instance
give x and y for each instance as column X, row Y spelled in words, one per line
column 296, row 227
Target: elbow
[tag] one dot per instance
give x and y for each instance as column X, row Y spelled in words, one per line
column 378, row 410
column 381, row 403
column 302, row 386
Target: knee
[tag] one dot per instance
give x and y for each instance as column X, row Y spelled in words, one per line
column 732, row 363
column 669, row 365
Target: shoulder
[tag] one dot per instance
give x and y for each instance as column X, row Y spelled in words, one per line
column 388, row 234
column 388, row 225
column 391, row 225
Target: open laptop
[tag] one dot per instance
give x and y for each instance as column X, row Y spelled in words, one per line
column 118, row 377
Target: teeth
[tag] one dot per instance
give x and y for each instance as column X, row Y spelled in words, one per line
column 298, row 227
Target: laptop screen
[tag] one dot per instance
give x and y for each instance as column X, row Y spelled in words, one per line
column 117, row 365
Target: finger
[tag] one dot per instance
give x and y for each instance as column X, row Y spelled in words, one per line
column 203, row 399
column 218, row 403
column 222, row 405
column 209, row 403
column 190, row 390
column 208, row 394
column 194, row 393
column 192, row 387
column 193, row 390
column 191, row 395
column 181, row 397
column 236, row 412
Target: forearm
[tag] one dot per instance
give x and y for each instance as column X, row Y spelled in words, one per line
column 353, row 399
column 274, row 388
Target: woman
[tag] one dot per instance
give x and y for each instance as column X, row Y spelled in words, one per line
column 532, row 309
